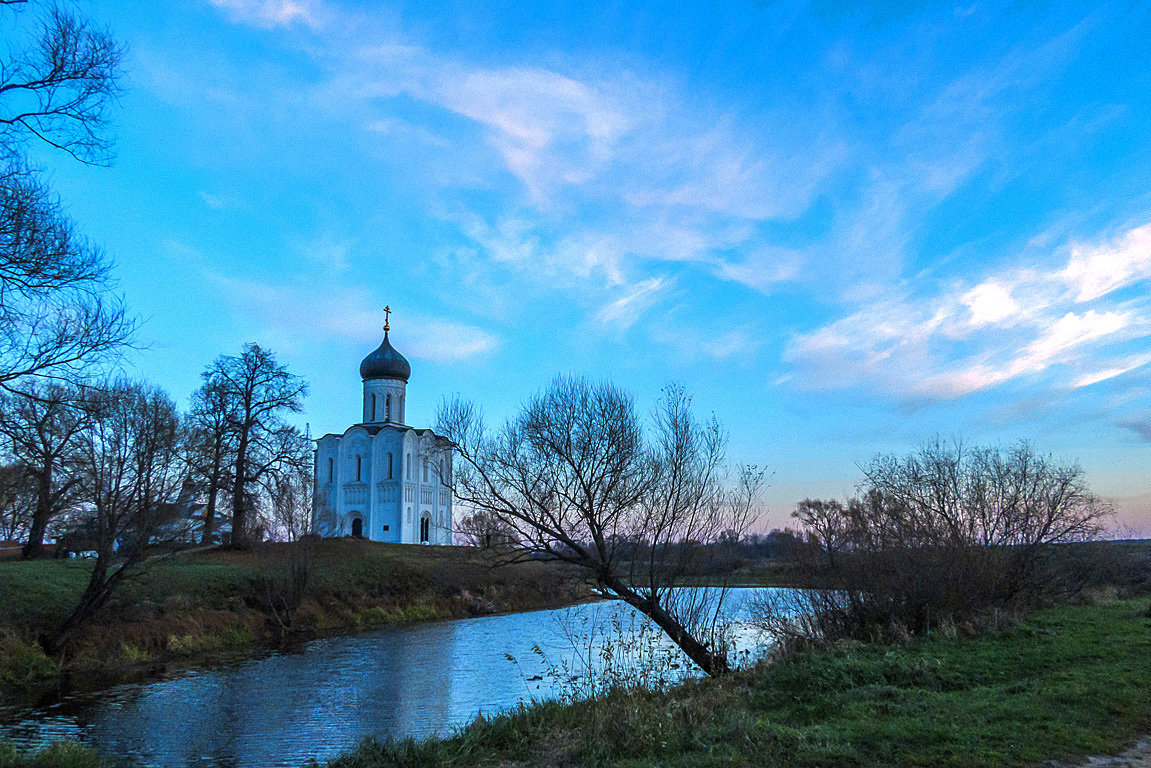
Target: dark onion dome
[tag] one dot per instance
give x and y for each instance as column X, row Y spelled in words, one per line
column 385, row 363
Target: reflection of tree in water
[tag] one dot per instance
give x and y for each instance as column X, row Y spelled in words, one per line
column 284, row 708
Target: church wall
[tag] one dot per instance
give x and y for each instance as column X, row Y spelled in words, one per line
column 385, row 492
column 354, row 480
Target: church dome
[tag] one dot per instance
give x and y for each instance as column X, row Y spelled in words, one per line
column 385, row 363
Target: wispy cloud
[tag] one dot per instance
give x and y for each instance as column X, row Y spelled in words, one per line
column 624, row 311
column 292, row 316
column 1012, row 323
column 220, row 202
column 272, row 13
column 1096, row 270
column 610, row 173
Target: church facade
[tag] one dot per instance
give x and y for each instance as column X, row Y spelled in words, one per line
column 382, row 479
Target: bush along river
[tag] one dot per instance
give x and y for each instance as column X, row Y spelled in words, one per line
column 323, row 698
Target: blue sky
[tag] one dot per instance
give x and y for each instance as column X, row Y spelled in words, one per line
column 843, row 228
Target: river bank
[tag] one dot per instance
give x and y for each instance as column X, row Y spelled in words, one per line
column 191, row 607
column 1065, row 683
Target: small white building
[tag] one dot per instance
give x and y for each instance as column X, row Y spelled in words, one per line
column 381, row 479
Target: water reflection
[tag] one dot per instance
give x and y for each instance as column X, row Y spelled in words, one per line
column 284, row 708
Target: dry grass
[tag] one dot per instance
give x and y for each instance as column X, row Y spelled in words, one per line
column 218, row 601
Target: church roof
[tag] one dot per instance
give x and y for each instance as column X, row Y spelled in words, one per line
column 385, row 363
column 374, row 429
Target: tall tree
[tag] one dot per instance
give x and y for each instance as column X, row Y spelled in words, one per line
column 43, row 429
column 258, row 392
column 210, row 447
column 131, row 469
column 576, row 477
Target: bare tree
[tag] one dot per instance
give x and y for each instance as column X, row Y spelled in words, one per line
column 257, row 391
column 484, row 530
column 17, row 501
column 43, row 428
column 288, row 567
column 57, row 313
column 131, row 470
column 576, row 477
column 826, row 522
column 210, row 448
column 941, row 535
column 58, row 87
column 289, row 489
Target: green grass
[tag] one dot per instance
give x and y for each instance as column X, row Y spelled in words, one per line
column 63, row 754
column 1066, row 683
column 218, row 601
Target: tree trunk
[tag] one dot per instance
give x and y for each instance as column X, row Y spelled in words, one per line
column 95, row 595
column 210, row 508
column 34, row 548
column 713, row 664
column 239, row 498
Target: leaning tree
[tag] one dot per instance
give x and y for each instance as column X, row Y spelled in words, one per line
column 578, row 476
column 131, row 474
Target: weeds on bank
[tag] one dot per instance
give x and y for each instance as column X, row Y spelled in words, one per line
column 62, row 754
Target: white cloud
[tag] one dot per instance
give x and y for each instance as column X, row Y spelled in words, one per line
column 1011, row 323
column 624, row 311
column 613, row 171
column 220, row 202
column 989, row 302
column 1095, row 271
column 272, row 13
column 1114, row 369
column 763, row 269
column 1072, row 330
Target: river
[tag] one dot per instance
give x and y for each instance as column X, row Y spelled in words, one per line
column 321, row 699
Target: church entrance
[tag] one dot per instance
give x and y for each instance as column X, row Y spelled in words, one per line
column 425, row 526
column 358, row 528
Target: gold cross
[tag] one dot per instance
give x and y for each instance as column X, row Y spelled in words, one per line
column 387, row 317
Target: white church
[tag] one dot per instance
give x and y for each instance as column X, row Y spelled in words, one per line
column 381, row 479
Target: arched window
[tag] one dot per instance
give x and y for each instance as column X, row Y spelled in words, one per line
column 425, row 529
column 425, row 469
column 389, row 466
column 387, row 408
column 408, row 463
column 331, row 469
column 443, row 473
column 359, row 466
column 401, row 414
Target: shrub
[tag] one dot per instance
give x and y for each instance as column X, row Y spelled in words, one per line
column 950, row 536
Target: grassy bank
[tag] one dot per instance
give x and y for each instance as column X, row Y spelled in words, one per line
column 65, row 754
column 1068, row 682
column 218, row 601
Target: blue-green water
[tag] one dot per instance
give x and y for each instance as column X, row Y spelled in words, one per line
column 323, row 698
